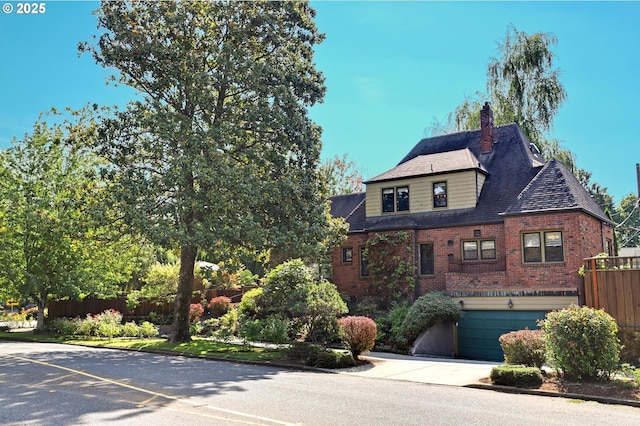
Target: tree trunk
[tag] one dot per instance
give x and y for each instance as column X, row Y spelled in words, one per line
column 40, row 316
column 180, row 325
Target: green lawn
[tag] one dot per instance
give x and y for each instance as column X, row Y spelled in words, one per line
column 197, row 347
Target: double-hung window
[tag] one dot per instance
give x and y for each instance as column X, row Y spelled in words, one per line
column 364, row 263
column 479, row 250
column 542, row 247
column 347, row 255
column 426, row 259
column 440, row 194
column 395, row 199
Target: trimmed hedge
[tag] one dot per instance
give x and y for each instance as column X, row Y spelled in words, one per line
column 516, row 375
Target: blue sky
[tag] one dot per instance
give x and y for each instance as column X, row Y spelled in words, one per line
column 391, row 69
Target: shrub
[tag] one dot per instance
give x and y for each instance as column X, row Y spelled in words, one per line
column 389, row 327
column 346, row 360
column 130, row 329
column 426, row 311
column 303, row 351
column 250, row 329
column 282, row 283
column 64, row 327
column 275, row 330
column 148, row 329
column 160, row 319
column 630, row 350
column 250, row 303
column 367, row 306
column 209, row 326
column 88, row 326
column 312, row 307
column 110, row 316
column 108, row 329
column 316, row 308
column 516, row 375
column 358, row 334
column 219, row 306
column 195, row 312
column 525, row 347
column 328, row 359
column 581, row 342
column 229, row 324
column 109, row 323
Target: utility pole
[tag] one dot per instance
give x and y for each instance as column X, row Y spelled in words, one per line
column 638, row 178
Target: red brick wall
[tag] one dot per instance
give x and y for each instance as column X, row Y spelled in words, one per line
column 448, row 241
column 346, row 276
column 583, row 236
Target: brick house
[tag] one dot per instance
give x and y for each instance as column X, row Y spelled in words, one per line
column 490, row 223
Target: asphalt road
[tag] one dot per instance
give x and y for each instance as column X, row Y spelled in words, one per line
column 47, row 384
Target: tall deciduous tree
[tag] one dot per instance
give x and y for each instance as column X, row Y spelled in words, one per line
column 219, row 151
column 52, row 239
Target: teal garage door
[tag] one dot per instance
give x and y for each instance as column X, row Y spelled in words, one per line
column 478, row 331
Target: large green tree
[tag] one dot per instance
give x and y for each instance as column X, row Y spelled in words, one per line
column 219, row 149
column 53, row 238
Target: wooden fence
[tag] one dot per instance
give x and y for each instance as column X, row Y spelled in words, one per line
column 74, row 308
column 613, row 284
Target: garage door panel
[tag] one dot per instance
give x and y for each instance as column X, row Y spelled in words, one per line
column 479, row 331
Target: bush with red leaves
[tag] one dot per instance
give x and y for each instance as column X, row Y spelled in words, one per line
column 358, row 334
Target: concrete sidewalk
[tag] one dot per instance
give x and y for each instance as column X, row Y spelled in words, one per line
column 442, row 371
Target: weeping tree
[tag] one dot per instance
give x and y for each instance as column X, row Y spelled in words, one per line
column 219, row 150
column 523, row 86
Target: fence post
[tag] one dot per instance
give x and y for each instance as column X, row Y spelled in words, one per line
column 594, row 284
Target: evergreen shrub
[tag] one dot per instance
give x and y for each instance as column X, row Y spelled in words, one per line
column 426, row 311
column 516, row 375
column 581, row 343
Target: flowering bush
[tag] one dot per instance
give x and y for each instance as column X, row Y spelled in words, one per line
column 219, row 306
column 525, row 347
column 195, row 312
column 358, row 334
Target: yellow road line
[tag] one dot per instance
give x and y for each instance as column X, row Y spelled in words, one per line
column 158, row 394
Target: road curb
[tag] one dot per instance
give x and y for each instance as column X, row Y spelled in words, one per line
column 568, row 395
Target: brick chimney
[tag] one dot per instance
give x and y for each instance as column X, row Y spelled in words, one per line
column 486, row 128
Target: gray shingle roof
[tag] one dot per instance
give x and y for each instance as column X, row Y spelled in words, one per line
column 555, row 188
column 351, row 208
column 518, row 182
column 432, row 164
